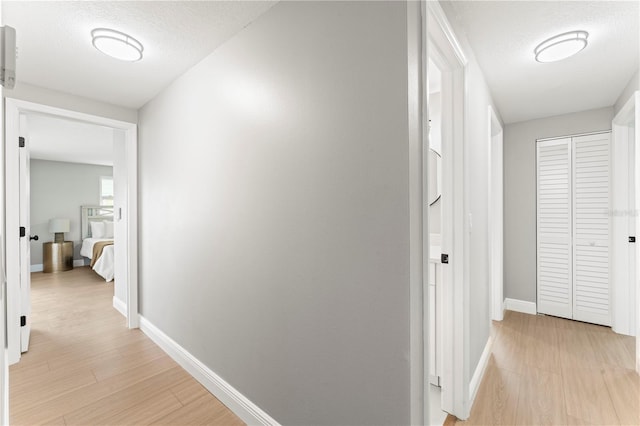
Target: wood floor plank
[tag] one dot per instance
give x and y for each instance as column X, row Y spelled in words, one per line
column 205, row 410
column 85, row 367
column 557, row 371
column 623, row 386
column 541, row 399
column 497, row 398
column 145, row 412
column 588, row 398
column 188, row 391
column 102, row 409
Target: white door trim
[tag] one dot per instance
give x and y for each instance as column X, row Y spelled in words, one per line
column 444, row 49
column 623, row 301
column 419, row 408
column 13, row 109
column 496, row 252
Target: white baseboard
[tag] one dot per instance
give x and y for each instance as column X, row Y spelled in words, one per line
column 474, row 384
column 120, row 306
column 520, row 306
column 39, row 267
column 227, row 394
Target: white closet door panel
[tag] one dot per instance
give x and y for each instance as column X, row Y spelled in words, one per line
column 591, row 295
column 554, row 280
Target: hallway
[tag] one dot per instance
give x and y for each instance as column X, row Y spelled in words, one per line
column 548, row 370
column 85, row 367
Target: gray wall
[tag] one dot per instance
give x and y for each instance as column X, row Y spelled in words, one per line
column 520, row 191
column 631, row 87
column 58, row 190
column 274, row 212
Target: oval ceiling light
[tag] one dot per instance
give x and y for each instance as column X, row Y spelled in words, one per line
column 561, row 46
column 117, row 44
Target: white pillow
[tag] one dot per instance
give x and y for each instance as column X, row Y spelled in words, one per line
column 108, row 229
column 97, row 229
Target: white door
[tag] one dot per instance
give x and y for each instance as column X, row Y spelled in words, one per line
column 25, row 241
column 591, row 297
column 555, row 291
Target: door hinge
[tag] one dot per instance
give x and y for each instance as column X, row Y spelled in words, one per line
column 21, row 142
column 444, row 258
column 23, row 231
column 23, row 321
column 632, row 239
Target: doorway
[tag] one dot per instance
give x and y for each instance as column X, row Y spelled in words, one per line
column 18, row 271
column 625, row 221
column 445, row 61
column 495, row 141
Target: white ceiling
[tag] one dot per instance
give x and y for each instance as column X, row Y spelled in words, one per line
column 57, row 139
column 55, row 50
column 503, row 35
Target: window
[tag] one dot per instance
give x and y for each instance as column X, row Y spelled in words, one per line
column 106, row 191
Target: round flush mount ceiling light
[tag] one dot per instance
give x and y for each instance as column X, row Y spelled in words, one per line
column 561, row 46
column 117, row 44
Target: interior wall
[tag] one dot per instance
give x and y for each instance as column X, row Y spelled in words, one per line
column 40, row 95
column 520, row 191
column 477, row 289
column 274, row 212
column 58, row 190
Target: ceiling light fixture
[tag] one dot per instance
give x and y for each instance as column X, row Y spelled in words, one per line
column 561, row 46
column 117, row 44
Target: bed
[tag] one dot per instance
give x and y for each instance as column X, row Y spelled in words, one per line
column 96, row 227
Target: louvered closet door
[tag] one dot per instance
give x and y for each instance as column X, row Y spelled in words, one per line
column 591, row 297
column 554, row 228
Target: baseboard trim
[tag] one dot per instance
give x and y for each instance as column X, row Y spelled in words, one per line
column 39, row 267
column 120, row 306
column 520, row 306
column 474, row 384
column 249, row 412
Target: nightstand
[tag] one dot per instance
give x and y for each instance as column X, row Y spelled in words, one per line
column 57, row 257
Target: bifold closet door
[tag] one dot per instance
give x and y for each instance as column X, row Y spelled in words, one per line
column 591, row 297
column 554, row 231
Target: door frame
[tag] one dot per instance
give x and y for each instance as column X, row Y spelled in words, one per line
column 496, row 197
column 14, row 108
column 625, row 303
column 443, row 47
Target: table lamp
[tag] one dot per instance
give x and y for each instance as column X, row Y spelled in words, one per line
column 59, row 227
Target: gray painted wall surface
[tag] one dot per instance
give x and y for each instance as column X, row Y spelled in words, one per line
column 58, row 190
column 520, row 191
column 274, row 213
column 632, row 86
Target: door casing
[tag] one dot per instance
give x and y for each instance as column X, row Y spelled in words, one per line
column 13, row 110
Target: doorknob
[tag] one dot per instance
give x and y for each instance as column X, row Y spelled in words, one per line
column 33, row 237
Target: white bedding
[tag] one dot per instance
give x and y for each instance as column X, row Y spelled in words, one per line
column 87, row 246
column 104, row 266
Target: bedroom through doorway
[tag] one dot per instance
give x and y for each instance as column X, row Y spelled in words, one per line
column 72, row 204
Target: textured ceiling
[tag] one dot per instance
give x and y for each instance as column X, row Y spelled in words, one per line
column 503, row 35
column 55, row 50
column 56, row 139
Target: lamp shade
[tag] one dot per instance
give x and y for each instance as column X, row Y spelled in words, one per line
column 59, row 225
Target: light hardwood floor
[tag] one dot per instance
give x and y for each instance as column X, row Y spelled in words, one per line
column 551, row 371
column 84, row 367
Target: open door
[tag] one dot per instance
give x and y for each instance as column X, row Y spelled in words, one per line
column 25, row 238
